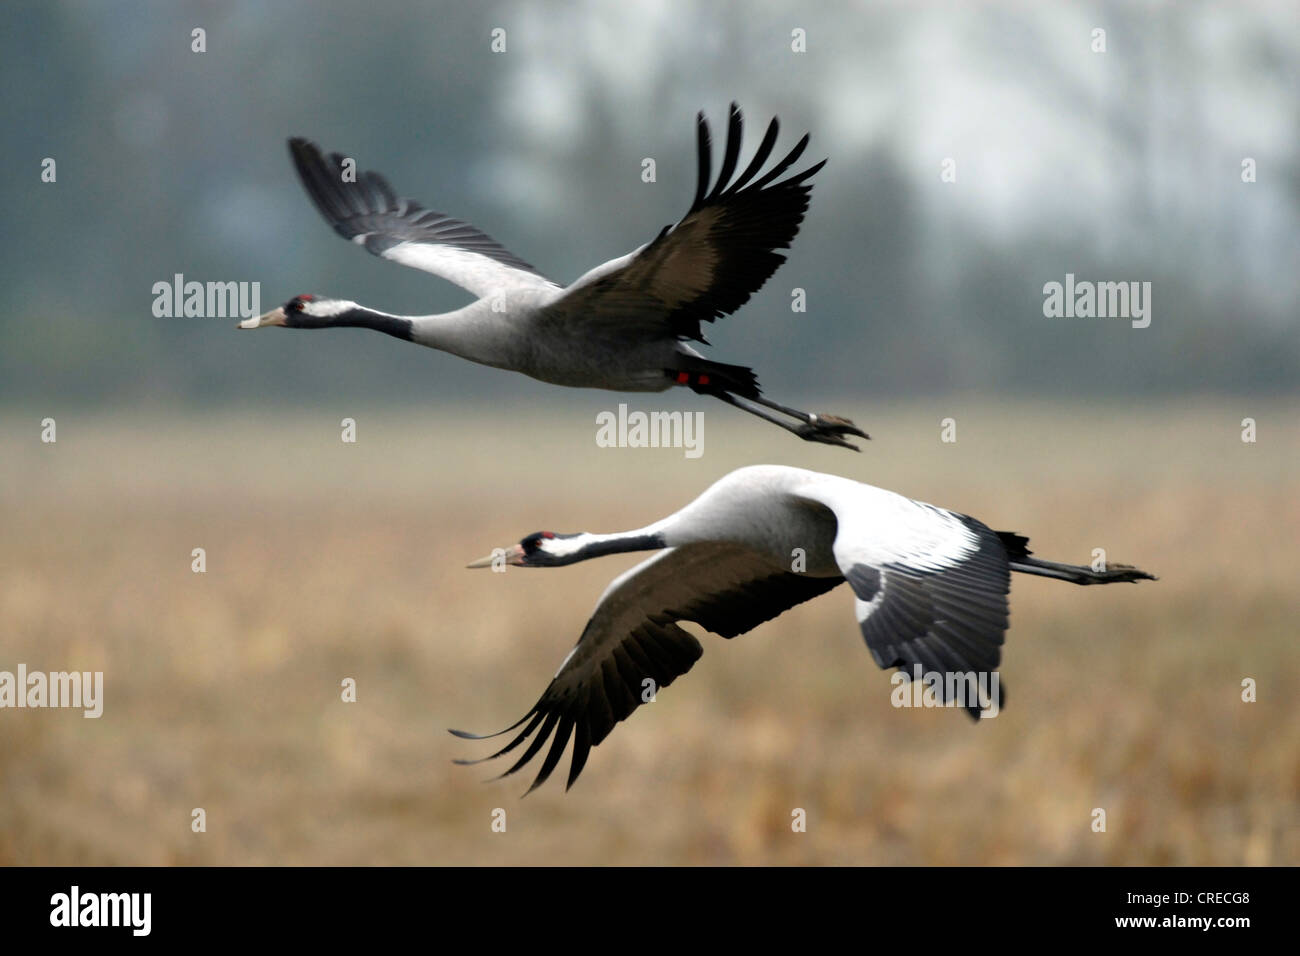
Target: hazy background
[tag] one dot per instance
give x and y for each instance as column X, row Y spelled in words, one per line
column 328, row 560
column 1117, row 166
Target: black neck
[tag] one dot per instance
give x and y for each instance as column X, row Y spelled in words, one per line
column 358, row 317
column 614, row 544
column 640, row 542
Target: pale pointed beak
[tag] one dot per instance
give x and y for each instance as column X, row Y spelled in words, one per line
column 274, row 317
column 511, row 555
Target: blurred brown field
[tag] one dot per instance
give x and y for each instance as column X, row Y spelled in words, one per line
column 328, row 560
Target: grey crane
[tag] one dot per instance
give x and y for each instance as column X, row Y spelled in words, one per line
column 625, row 325
column 930, row 588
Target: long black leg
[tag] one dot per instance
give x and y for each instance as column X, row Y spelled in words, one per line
column 777, row 406
column 816, row 422
column 827, row 429
column 1077, row 574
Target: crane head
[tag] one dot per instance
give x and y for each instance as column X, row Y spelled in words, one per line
column 292, row 312
column 534, row 551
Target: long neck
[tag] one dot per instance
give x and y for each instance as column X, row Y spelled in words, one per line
column 572, row 548
column 473, row 332
column 351, row 315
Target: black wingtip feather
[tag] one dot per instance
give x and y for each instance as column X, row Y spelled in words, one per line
column 561, row 740
column 805, row 175
column 581, row 750
column 466, row 735
column 538, row 742
column 731, row 154
column 705, row 159
column 760, row 157
column 791, row 158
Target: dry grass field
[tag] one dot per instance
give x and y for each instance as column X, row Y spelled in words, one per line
column 328, row 560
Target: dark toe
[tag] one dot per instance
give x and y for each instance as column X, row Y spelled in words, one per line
column 839, row 426
column 827, row 436
column 835, row 425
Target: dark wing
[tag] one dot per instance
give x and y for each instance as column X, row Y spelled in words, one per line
column 633, row 638
column 949, row 618
column 714, row 259
column 368, row 212
column 930, row 584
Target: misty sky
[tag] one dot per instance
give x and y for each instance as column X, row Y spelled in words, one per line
column 1122, row 165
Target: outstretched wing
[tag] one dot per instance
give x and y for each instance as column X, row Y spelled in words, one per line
column 931, row 587
column 633, row 638
column 368, row 212
column 713, row 260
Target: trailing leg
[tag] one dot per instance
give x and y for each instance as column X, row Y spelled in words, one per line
column 1079, row 574
column 737, row 385
column 818, row 427
column 827, row 429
